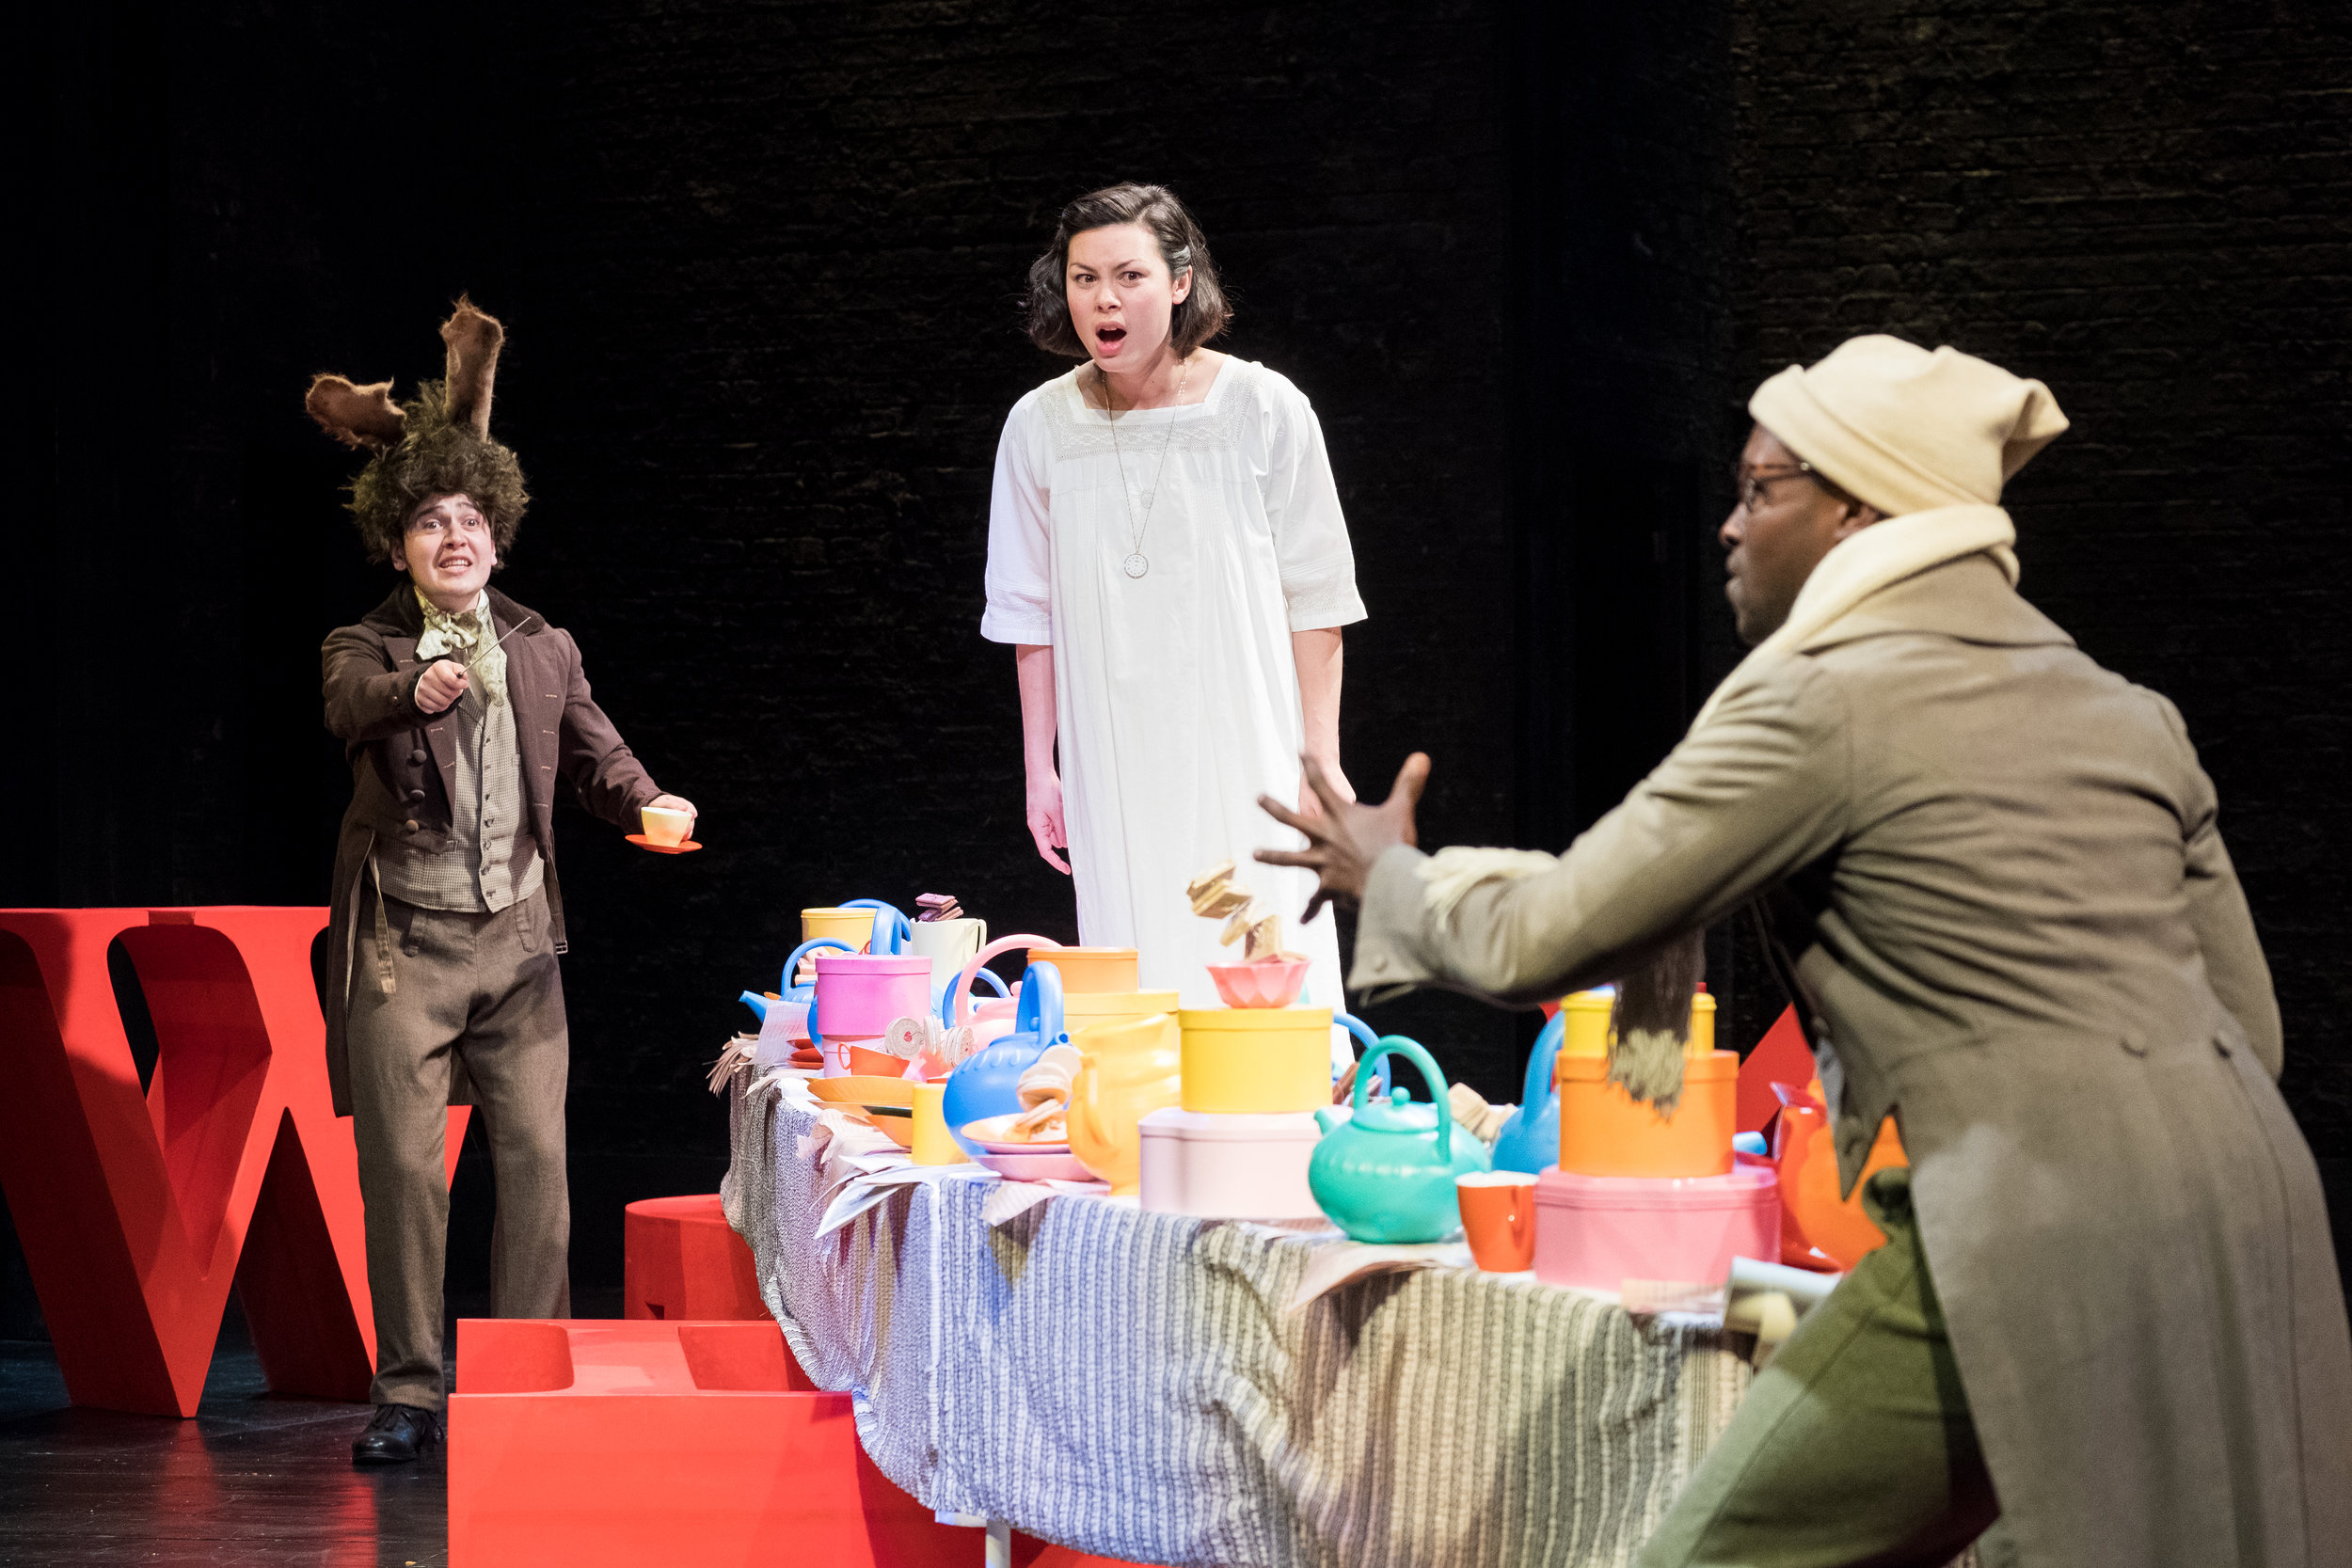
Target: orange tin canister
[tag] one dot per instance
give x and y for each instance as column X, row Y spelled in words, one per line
column 1604, row 1132
column 1093, row 969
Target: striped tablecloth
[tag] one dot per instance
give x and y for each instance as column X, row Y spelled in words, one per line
column 1142, row 1385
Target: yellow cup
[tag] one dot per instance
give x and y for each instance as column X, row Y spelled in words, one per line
column 1256, row 1061
column 1587, row 1032
column 854, row 926
column 934, row 1145
column 1126, row 1071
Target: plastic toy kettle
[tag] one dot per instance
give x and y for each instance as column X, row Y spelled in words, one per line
column 988, row 1082
column 790, row 996
column 956, row 1007
column 1127, row 1070
column 1530, row 1139
column 1385, row 1173
column 1817, row 1228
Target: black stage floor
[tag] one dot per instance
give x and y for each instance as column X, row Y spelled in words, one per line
column 252, row 1480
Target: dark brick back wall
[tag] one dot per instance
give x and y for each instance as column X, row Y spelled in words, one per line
column 2145, row 206
column 759, row 266
column 772, row 332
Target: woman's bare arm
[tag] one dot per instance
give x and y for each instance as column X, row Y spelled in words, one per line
column 1317, row 655
column 1034, row 663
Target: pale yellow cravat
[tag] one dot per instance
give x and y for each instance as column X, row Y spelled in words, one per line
column 472, row 636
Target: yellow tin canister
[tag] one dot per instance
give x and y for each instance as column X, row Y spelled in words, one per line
column 1256, row 1061
column 1587, row 1030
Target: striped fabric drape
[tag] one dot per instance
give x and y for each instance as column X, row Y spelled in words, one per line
column 1136, row 1384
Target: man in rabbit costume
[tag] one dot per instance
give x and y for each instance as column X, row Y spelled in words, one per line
column 459, row 711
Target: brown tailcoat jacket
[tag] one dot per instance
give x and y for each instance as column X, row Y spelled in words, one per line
column 2005, row 910
column 402, row 760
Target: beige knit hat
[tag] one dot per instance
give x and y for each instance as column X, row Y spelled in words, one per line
column 1905, row 430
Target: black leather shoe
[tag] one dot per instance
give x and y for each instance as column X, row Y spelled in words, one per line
column 397, row 1435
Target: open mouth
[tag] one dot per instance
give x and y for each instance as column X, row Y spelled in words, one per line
column 1109, row 336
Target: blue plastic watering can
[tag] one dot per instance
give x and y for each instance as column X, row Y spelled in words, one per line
column 1530, row 1140
column 988, row 1083
column 892, row 929
column 1370, row 1041
column 807, row 994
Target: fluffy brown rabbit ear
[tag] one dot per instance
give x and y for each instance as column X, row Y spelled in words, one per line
column 474, row 341
column 356, row 416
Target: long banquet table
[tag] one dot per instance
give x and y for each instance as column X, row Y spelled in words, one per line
column 1148, row 1387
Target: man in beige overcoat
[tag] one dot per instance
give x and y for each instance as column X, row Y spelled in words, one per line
column 2108, row 1315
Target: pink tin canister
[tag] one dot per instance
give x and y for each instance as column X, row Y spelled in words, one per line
column 1234, row 1167
column 1598, row 1231
column 861, row 994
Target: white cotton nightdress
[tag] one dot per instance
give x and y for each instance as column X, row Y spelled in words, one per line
column 1176, row 694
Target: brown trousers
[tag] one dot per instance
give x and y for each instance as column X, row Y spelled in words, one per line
column 484, row 989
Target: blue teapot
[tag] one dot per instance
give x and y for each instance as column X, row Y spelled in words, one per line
column 1385, row 1172
column 786, row 990
column 988, row 1082
column 1530, row 1140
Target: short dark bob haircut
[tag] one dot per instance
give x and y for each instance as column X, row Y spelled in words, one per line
column 1198, row 317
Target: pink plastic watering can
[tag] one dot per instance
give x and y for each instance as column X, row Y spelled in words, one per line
column 988, row 1021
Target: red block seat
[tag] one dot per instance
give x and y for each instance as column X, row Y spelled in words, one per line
column 682, row 1259
column 575, row 1444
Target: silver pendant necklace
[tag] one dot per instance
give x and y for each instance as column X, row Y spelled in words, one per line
column 1137, row 563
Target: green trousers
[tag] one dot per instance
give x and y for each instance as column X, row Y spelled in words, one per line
column 1854, row 1445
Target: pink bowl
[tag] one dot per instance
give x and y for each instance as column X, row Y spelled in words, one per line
column 1035, row 1167
column 1260, row 985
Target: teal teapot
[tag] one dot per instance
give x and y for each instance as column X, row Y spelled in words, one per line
column 1385, row 1171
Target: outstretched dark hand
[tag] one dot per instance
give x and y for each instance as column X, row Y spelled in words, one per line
column 1344, row 840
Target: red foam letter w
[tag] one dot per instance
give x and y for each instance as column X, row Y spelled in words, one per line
column 137, row 1210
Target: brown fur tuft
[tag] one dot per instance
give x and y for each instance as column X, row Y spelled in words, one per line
column 474, row 339
column 356, row 416
column 1651, row 1020
column 437, row 445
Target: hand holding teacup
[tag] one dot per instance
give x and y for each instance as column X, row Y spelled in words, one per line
column 668, row 819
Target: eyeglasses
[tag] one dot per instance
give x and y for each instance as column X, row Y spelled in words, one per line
column 1749, row 483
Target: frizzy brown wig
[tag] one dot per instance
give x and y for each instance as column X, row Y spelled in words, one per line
column 1198, row 317
column 437, row 445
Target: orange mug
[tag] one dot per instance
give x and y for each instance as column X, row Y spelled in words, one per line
column 1499, row 1218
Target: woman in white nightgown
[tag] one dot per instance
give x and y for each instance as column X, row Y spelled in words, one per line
column 1166, row 551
